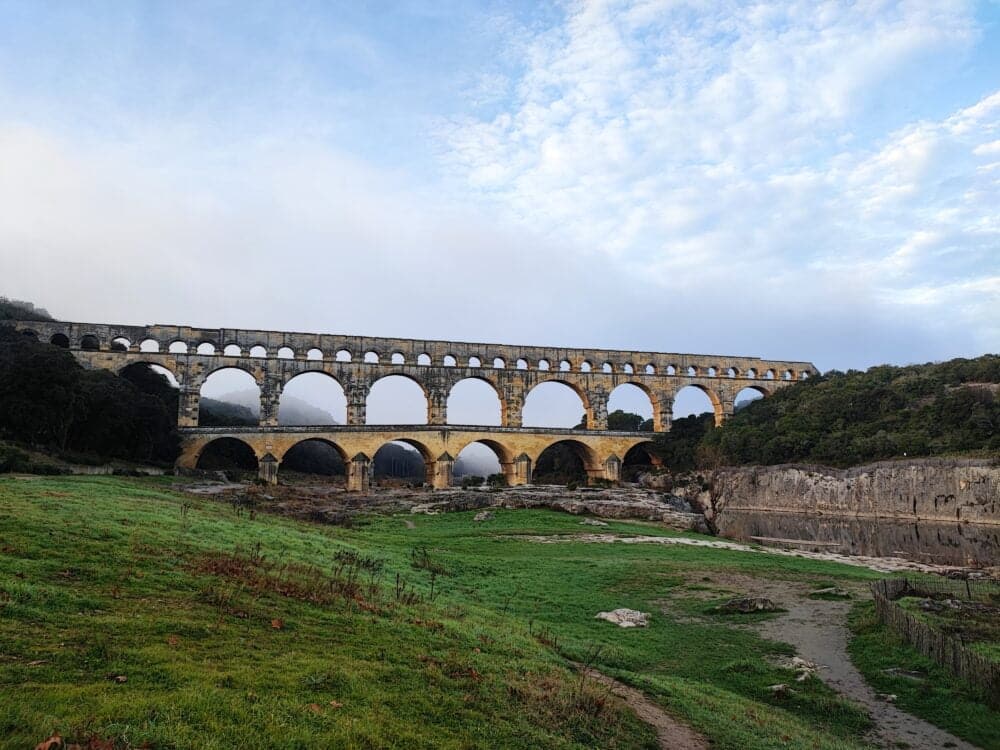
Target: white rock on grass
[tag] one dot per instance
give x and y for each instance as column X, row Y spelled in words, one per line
column 592, row 522
column 625, row 618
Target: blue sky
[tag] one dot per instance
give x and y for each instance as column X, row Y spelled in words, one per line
column 794, row 180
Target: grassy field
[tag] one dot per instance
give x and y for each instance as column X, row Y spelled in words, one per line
column 133, row 613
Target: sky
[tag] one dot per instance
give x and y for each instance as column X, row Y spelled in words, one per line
column 793, row 180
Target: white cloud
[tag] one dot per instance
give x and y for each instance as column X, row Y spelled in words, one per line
column 715, row 152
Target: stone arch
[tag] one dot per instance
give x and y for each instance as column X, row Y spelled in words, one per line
column 468, row 401
column 475, row 361
column 164, row 365
column 499, row 363
column 565, row 366
column 627, row 401
column 60, row 339
column 314, row 354
column 503, row 455
column 397, row 358
column 228, row 380
column 206, row 347
column 149, row 345
column 232, row 350
column 522, row 364
column 227, row 454
column 715, row 402
column 342, row 355
column 637, row 459
column 31, row 334
column 543, row 365
column 304, row 457
column 424, row 359
column 310, row 390
column 558, row 451
column 607, row 367
column 371, row 357
column 748, row 394
column 532, row 411
column 650, row 369
column 392, row 388
column 449, row 360
column 89, row 343
column 628, row 369
column 286, row 352
column 258, row 351
column 120, row 344
column 378, row 465
column 178, row 347
column 585, row 366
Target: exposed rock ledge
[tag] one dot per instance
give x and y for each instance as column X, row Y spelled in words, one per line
column 636, row 504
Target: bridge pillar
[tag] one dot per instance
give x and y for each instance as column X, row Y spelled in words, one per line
column 358, row 475
column 726, row 409
column 443, row 471
column 663, row 417
column 187, row 406
column 357, row 398
column 270, row 400
column 267, row 470
column 598, row 417
column 613, row 468
column 513, row 407
column 437, row 406
column 522, row 470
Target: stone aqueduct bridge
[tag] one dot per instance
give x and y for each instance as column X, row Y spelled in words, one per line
column 273, row 358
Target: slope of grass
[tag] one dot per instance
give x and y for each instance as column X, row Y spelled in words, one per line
column 937, row 696
column 235, row 630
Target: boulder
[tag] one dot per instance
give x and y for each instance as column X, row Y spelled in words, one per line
column 625, row 618
column 483, row 515
column 747, row 604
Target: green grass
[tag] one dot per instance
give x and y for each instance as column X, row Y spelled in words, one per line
column 102, row 576
column 939, row 697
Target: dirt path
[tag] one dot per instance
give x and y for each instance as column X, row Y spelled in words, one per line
column 817, row 630
column 672, row 735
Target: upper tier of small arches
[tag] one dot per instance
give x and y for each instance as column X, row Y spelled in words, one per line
column 320, row 347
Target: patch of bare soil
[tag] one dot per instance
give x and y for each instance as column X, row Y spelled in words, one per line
column 672, row 735
column 818, row 631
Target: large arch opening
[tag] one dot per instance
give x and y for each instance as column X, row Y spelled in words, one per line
column 154, row 380
column 312, row 398
column 396, row 399
column 482, row 458
column 312, row 458
column 564, row 462
column 630, row 408
column 230, row 455
column 474, row 401
column 747, row 396
column 693, row 401
column 230, row 397
column 554, row 404
column 400, row 463
column 638, row 460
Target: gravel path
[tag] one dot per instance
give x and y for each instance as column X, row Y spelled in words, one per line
column 817, row 630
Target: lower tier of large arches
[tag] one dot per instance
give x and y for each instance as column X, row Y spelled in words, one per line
column 352, row 451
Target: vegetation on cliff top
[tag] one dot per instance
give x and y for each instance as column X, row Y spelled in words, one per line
column 845, row 419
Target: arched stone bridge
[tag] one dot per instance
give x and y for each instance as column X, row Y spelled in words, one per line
column 273, row 358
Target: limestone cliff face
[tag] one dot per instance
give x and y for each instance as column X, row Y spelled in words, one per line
column 935, row 510
column 949, row 490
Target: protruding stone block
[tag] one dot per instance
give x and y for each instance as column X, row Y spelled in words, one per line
column 358, row 475
column 443, row 472
column 267, row 470
column 522, row 469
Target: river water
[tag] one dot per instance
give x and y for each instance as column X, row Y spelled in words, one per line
column 932, row 542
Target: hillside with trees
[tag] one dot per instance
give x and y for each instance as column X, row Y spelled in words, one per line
column 848, row 418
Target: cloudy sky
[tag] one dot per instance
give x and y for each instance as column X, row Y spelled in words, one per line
column 800, row 180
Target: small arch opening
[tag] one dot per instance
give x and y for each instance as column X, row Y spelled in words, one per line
column 258, row 352
column 475, row 362
column 585, row 366
column 607, row 367
column 60, row 339
column 543, row 364
column 371, row 358
column 314, row 354
column 342, row 355
column 650, row 369
column 286, row 352
column 206, row 347
column 89, row 343
column 498, row 363
column 424, row 360
column 522, row 364
column 232, row 350
column 120, row 344
column 397, row 358
column 177, row 347
column 449, row 361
